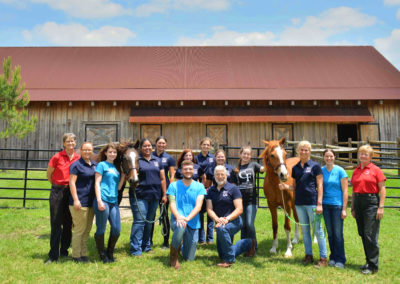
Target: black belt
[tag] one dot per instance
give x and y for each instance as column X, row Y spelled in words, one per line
column 366, row 194
column 59, row 186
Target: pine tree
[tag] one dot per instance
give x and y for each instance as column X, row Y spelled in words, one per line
column 13, row 102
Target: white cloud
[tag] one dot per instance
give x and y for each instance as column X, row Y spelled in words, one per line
column 86, row 9
column 392, row 2
column 164, row 6
column 313, row 30
column 222, row 36
column 78, row 35
column 389, row 47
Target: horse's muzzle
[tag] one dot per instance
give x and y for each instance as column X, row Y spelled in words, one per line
column 283, row 178
column 133, row 182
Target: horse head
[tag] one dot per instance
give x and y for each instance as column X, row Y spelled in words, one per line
column 130, row 161
column 274, row 156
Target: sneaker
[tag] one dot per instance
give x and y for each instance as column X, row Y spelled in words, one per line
column 339, row 265
column 365, row 266
column 84, row 259
column 331, row 263
column 369, row 271
column 50, row 261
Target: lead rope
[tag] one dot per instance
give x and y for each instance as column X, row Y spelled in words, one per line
column 141, row 214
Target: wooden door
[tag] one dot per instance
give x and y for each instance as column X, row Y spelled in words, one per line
column 150, row 131
column 369, row 131
column 282, row 130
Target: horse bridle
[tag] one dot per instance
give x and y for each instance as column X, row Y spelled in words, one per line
column 129, row 169
column 276, row 168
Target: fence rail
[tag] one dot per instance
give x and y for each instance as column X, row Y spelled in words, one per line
column 27, row 160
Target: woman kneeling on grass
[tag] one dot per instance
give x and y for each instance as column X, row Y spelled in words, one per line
column 107, row 181
column 81, row 183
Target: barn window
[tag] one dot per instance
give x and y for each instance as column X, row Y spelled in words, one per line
column 282, row 130
column 218, row 133
column 150, row 131
column 100, row 134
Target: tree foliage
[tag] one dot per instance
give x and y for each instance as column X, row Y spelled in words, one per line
column 13, row 102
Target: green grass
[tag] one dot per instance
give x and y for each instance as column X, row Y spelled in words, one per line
column 24, row 243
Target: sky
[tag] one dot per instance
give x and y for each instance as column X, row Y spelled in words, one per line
column 202, row 23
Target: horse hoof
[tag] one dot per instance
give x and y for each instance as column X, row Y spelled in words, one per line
column 295, row 241
column 273, row 251
column 288, row 254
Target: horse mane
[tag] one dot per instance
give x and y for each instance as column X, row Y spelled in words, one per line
column 124, row 145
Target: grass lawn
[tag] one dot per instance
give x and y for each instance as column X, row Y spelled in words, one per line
column 24, row 244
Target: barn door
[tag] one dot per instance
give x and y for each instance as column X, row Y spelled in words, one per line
column 150, row 131
column 218, row 133
column 369, row 131
column 282, row 130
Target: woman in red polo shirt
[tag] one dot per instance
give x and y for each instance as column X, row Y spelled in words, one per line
column 369, row 194
column 60, row 216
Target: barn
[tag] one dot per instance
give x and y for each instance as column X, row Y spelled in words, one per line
column 236, row 95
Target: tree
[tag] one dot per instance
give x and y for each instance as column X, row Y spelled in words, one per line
column 13, row 102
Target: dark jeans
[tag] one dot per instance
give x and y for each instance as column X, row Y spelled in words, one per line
column 209, row 235
column 365, row 208
column 166, row 226
column 60, row 221
column 334, row 227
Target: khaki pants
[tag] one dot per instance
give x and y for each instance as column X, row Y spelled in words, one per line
column 82, row 220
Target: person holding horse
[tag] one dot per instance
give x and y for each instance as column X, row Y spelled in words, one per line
column 220, row 159
column 60, row 216
column 168, row 164
column 334, row 204
column 205, row 159
column 144, row 199
column 81, row 183
column 108, row 179
column 369, row 193
column 186, row 198
column 246, row 171
column 224, row 206
column 198, row 174
column 307, row 186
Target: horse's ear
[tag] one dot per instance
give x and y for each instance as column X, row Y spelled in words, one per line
column 282, row 141
column 266, row 143
column 136, row 146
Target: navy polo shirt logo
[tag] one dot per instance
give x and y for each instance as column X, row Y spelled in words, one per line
column 195, row 171
column 210, row 160
column 225, row 194
column 308, row 170
column 164, row 160
column 156, row 164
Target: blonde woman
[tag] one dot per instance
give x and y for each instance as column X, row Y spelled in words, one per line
column 369, row 194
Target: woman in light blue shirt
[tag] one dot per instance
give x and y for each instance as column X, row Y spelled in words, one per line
column 334, row 203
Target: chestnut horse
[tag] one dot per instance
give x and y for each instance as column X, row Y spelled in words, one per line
column 279, row 169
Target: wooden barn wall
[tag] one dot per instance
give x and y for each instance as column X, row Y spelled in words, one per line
column 388, row 117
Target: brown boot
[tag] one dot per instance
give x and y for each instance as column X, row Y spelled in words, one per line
column 322, row 262
column 308, row 259
column 173, row 258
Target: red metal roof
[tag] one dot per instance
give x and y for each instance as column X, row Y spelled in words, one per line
column 205, row 73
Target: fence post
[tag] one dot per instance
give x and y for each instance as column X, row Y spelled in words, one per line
column 398, row 156
column 350, row 144
column 26, row 175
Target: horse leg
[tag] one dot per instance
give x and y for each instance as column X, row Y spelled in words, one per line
column 274, row 215
column 296, row 238
column 289, row 245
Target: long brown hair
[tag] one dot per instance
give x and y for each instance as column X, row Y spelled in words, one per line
column 117, row 161
column 181, row 157
column 240, row 160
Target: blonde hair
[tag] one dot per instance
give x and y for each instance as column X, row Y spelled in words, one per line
column 366, row 148
column 304, row 143
column 68, row 135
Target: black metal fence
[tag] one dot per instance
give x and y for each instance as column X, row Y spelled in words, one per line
column 30, row 160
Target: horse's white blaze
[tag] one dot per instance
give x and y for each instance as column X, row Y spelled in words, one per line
column 274, row 246
column 132, row 156
column 281, row 171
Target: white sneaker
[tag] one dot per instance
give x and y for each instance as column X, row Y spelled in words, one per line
column 331, row 262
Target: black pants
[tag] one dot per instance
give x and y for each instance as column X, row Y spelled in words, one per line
column 60, row 221
column 166, row 227
column 365, row 208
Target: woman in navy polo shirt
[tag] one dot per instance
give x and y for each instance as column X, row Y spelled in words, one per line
column 145, row 198
column 307, row 184
column 108, row 179
column 198, row 173
column 220, row 159
column 205, row 160
column 81, row 183
column 168, row 164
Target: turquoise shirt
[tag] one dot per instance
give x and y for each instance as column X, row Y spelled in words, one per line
column 109, row 181
column 333, row 194
column 186, row 197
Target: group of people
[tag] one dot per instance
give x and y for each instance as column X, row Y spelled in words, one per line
column 82, row 189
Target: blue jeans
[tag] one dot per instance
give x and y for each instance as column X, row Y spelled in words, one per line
column 306, row 216
column 226, row 250
column 140, row 233
column 210, row 229
column 189, row 237
column 111, row 213
column 249, row 216
column 334, row 227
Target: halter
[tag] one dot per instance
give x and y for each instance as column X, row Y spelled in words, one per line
column 129, row 169
column 276, row 168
